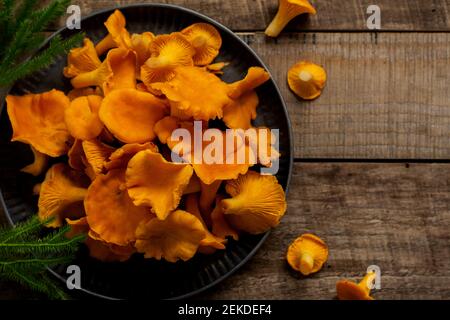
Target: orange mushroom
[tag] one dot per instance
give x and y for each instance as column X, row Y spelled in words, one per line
column 154, row 182
column 168, row 52
column 130, row 115
column 206, row 41
column 210, row 243
column 288, row 10
column 193, row 186
column 110, row 211
column 348, row 290
column 39, row 164
column 307, row 254
column 96, row 153
column 257, row 204
column 307, row 79
column 216, row 68
column 120, row 157
column 176, row 237
column 38, row 119
column 204, row 97
column 81, row 60
column 118, row 36
column 255, row 77
column 123, row 66
column 220, row 226
column 240, row 112
column 117, row 71
column 60, row 189
column 140, row 43
column 82, row 118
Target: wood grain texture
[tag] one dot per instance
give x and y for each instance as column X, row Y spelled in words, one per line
column 386, row 97
column 404, row 15
column 396, row 216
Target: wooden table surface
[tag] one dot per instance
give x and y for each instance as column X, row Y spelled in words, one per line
column 372, row 154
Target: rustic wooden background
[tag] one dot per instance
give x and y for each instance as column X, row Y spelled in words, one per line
column 372, row 171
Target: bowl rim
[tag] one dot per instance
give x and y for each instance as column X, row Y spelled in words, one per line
column 228, row 31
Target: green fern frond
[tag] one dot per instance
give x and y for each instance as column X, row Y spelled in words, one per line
column 56, row 48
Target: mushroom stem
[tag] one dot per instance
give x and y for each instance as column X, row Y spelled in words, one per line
column 367, row 281
column 157, row 62
column 278, row 23
column 85, row 79
column 76, row 194
column 306, row 263
column 105, row 44
column 305, row 76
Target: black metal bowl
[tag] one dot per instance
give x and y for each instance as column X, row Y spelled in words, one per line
column 138, row 277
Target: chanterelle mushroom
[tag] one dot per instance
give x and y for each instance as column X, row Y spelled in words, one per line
column 59, row 190
column 177, row 237
column 307, row 254
column 288, row 10
column 307, row 79
column 348, row 290
column 206, row 41
column 257, row 202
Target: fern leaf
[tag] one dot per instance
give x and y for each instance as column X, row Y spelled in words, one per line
column 57, row 47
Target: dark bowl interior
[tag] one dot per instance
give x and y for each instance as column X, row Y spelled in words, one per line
column 139, row 277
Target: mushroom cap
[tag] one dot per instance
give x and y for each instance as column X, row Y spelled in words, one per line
column 167, row 52
column 81, row 60
column 209, row 173
column 82, row 119
column 130, row 115
column 123, row 66
column 176, row 237
column 152, row 181
column 348, row 290
column 204, row 97
column 220, row 226
column 120, row 157
column 39, row 164
column 307, row 79
column 257, row 204
column 307, row 254
column 38, row 119
column 255, row 77
column 206, row 41
column 288, row 10
column 240, row 112
column 164, row 128
column 62, row 188
column 110, row 211
column 96, row 153
column 140, row 43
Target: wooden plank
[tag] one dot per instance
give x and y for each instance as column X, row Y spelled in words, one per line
column 405, row 15
column 387, row 94
column 395, row 216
